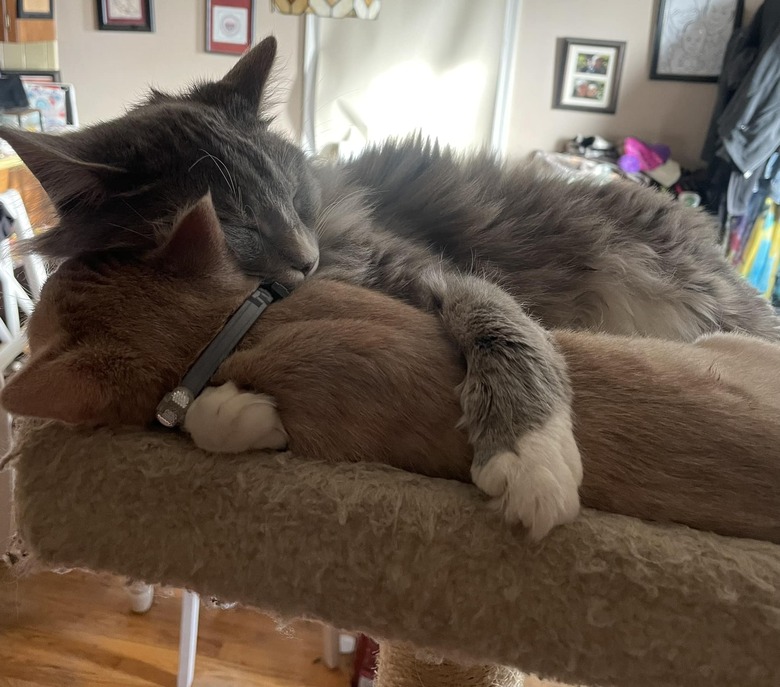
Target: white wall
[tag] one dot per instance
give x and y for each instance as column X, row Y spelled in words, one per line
column 673, row 112
column 428, row 67
column 111, row 69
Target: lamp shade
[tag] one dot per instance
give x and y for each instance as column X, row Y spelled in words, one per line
column 333, row 9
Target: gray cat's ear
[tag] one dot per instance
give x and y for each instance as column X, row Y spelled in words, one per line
column 63, row 175
column 197, row 244
column 249, row 77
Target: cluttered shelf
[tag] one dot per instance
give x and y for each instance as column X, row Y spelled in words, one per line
column 746, row 207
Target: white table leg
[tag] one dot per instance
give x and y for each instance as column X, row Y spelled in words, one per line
column 330, row 646
column 141, row 596
column 188, row 638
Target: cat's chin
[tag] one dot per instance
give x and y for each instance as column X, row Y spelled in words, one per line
column 290, row 279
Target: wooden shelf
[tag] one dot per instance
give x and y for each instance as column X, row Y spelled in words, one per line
column 16, row 30
column 14, row 174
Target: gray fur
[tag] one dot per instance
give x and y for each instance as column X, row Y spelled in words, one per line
column 499, row 342
column 618, row 258
column 443, row 232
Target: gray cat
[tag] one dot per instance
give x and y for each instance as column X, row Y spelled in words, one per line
column 496, row 251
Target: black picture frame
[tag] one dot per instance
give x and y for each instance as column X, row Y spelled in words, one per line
column 105, row 22
column 665, row 7
column 53, row 76
column 606, row 83
column 21, row 13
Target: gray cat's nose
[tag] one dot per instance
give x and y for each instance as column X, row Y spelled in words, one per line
column 308, row 266
column 297, row 273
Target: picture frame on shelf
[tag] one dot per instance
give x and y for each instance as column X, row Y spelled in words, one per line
column 588, row 75
column 41, row 76
column 56, row 102
column 690, row 38
column 125, row 15
column 229, row 26
column 35, row 9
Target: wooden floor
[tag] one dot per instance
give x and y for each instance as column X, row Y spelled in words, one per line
column 75, row 630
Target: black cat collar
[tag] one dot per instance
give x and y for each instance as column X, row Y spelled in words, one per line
column 172, row 409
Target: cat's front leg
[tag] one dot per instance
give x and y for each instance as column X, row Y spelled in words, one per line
column 516, row 402
column 224, row 419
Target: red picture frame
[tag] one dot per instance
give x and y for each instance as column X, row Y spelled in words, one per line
column 112, row 15
column 229, row 26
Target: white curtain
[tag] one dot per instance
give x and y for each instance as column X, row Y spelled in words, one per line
column 426, row 66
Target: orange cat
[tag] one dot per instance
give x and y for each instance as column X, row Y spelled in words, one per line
column 667, row 431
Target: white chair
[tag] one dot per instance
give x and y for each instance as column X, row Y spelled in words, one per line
column 15, row 299
column 16, row 302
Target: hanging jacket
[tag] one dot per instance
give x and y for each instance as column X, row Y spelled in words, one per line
column 745, row 126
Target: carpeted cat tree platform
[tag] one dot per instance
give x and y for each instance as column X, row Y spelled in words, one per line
column 422, row 564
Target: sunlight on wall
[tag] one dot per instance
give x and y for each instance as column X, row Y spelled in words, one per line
column 427, row 67
column 412, row 97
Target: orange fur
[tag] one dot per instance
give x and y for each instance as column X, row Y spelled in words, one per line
column 668, row 431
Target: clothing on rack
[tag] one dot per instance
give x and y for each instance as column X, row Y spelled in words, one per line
column 745, row 126
column 742, row 147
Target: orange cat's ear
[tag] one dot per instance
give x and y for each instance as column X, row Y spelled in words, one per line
column 61, row 387
column 197, row 243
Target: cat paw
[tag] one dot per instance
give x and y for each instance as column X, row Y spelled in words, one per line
column 537, row 483
column 224, row 419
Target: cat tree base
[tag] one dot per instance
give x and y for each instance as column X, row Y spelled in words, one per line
column 607, row 600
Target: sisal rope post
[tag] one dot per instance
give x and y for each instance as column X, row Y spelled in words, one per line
column 404, row 666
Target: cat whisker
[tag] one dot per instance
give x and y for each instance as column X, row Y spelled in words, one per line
column 223, row 170
column 254, row 214
column 135, row 211
column 129, row 230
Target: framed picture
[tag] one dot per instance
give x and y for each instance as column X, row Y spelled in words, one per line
column 51, row 99
column 33, row 75
column 588, row 75
column 691, row 38
column 229, row 25
column 35, row 9
column 125, row 15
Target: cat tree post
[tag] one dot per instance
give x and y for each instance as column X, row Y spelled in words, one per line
column 402, row 666
column 188, row 638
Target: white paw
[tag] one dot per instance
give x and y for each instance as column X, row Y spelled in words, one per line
column 537, row 483
column 225, row 420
